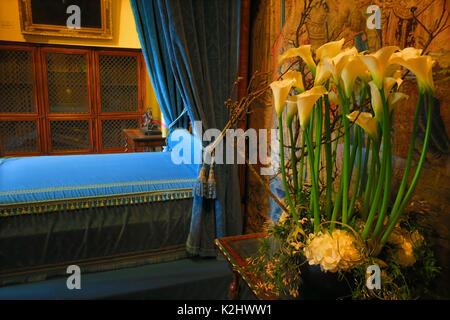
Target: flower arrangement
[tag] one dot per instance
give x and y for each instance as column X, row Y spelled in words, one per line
column 345, row 222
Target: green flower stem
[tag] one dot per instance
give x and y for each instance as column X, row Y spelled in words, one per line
column 377, row 166
column 314, row 189
column 353, row 153
column 346, row 159
column 293, row 158
column 319, row 124
column 358, row 171
column 318, row 146
column 394, row 219
column 312, row 122
column 335, row 146
column 404, row 182
column 301, row 169
column 366, row 146
column 379, row 188
column 370, row 180
column 337, row 205
column 283, row 171
column 328, row 159
column 362, row 95
column 338, row 196
column 388, row 158
column 364, row 170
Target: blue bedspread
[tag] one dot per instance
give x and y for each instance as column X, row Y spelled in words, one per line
column 40, row 179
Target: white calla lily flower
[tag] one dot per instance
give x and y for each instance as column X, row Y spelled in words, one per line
column 291, row 109
column 396, row 97
column 336, row 64
column 366, row 121
column 306, row 101
column 280, row 91
column 329, row 50
column 303, row 52
column 297, row 76
column 353, row 69
column 421, row 66
column 378, row 63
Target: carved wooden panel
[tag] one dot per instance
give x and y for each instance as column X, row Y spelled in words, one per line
column 19, row 136
column 119, row 83
column 69, row 135
column 67, row 83
column 16, row 82
column 112, row 131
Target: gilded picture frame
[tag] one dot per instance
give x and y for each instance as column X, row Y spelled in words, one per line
column 48, row 18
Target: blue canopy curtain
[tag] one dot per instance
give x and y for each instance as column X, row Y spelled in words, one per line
column 158, row 63
column 199, row 39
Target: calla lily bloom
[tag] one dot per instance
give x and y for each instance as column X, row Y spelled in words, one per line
column 366, row 121
column 336, row 64
column 323, row 73
column 421, row 66
column 353, row 69
column 280, row 90
column 366, row 77
column 378, row 63
column 388, row 85
column 329, row 50
column 407, row 53
column 297, row 76
column 395, row 98
column 398, row 77
column 291, row 109
column 377, row 104
column 306, row 101
column 303, row 52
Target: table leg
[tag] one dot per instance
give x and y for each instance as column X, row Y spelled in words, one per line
column 233, row 293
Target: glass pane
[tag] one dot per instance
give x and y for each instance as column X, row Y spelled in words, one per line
column 70, row 135
column 112, row 131
column 119, row 83
column 67, row 83
column 19, row 136
column 16, row 82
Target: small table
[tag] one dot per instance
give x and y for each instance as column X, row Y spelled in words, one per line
column 236, row 250
column 137, row 141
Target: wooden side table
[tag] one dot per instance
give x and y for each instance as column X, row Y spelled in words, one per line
column 236, row 250
column 136, row 141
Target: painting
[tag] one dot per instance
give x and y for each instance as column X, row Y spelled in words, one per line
column 64, row 18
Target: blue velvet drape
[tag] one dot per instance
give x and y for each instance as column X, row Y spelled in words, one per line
column 199, row 39
column 147, row 18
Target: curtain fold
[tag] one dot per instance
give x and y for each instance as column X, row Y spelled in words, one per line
column 199, row 39
column 154, row 49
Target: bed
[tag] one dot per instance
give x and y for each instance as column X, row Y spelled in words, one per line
column 101, row 211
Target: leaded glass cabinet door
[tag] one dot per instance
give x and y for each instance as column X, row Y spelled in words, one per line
column 120, row 96
column 68, row 100
column 20, row 126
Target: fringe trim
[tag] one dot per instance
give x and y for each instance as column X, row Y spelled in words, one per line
column 201, row 186
column 86, row 203
column 211, row 184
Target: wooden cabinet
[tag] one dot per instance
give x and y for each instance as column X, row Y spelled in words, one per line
column 67, row 100
column 137, row 141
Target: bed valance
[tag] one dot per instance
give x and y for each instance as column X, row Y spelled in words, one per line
column 45, row 184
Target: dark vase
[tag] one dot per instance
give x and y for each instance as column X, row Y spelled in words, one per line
column 320, row 285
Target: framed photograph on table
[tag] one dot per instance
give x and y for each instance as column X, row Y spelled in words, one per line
column 64, row 18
